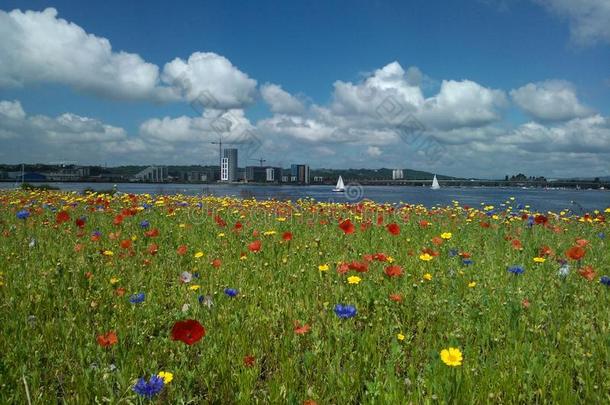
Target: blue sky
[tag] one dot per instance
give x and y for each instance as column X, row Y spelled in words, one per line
column 485, row 52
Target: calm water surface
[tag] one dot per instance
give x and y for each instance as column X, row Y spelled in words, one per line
column 539, row 199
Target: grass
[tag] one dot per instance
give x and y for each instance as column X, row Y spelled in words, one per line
column 61, row 289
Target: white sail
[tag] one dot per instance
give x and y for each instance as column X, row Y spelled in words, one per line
column 435, row 185
column 340, row 186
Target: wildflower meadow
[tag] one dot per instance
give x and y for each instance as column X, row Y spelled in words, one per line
column 189, row 299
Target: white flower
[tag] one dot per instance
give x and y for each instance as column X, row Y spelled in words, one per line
column 564, row 270
column 186, row 277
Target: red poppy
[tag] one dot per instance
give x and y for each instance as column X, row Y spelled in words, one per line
column 380, row 257
column 88, row 275
column 78, row 247
column 301, row 329
column 255, row 246
column 287, row 236
column 582, row 242
column 575, row 253
column 424, row 223
column 360, row 267
column 119, row 291
column 118, row 220
column 126, row 244
column 182, row 249
column 189, row 331
column 80, row 222
column 525, row 303
column 238, row 226
column 61, row 217
column 396, row 297
column 310, row 402
column 153, row 248
column 541, row 219
column 393, row 271
column 221, row 222
column 342, row 268
column 465, row 255
column 393, row 228
column 107, row 339
column 484, row 224
column 95, row 237
column 152, row 233
column 380, row 220
column 587, row 272
column 347, row 227
column 545, row 251
column 368, row 258
column 216, row 263
column 249, row 361
column 516, row 244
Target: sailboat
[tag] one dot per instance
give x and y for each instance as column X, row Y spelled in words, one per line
column 340, row 188
column 435, row 185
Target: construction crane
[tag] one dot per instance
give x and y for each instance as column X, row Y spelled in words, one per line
column 261, row 160
column 220, row 143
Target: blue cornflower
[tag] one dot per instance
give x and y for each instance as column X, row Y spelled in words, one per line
column 466, row 262
column 231, row 292
column 516, row 270
column 345, row 311
column 23, row 214
column 453, row 252
column 96, row 233
column 144, row 224
column 605, row 280
column 530, row 221
column 196, row 274
column 137, row 298
column 601, row 235
column 520, row 206
column 149, row 388
column 146, row 206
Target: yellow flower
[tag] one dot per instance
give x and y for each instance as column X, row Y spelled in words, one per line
column 194, row 287
column 472, row 284
column 108, row 253
column 425, row 257
column 427, row 276
column 389, row 259
column 269, row 233
column 244, row 257
column 167, row 376
column 353, row 280
column 198, row 255
column 400, row 336
column 446, row 235
column 607, row 210
column 281, row 219
column 539, row 259
column 182, row 225
column 114, row 280
column 452, row 356
column 323, row 267
column 220, row 235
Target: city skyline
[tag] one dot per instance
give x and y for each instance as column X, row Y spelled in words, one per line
column 418, row 89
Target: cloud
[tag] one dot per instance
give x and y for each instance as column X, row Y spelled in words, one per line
column 39, row 47
column 552, row 100
column 588, row 19
column 463, row 104
column 280, row 101
column 373, row 151
column 210, row 81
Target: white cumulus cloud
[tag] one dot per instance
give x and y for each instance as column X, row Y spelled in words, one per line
column 552, row 100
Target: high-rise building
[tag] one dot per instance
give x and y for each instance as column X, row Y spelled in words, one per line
column 256, row 174
column 228, row 165
column 300, row 173
column 274, row 174
column 397, row 174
